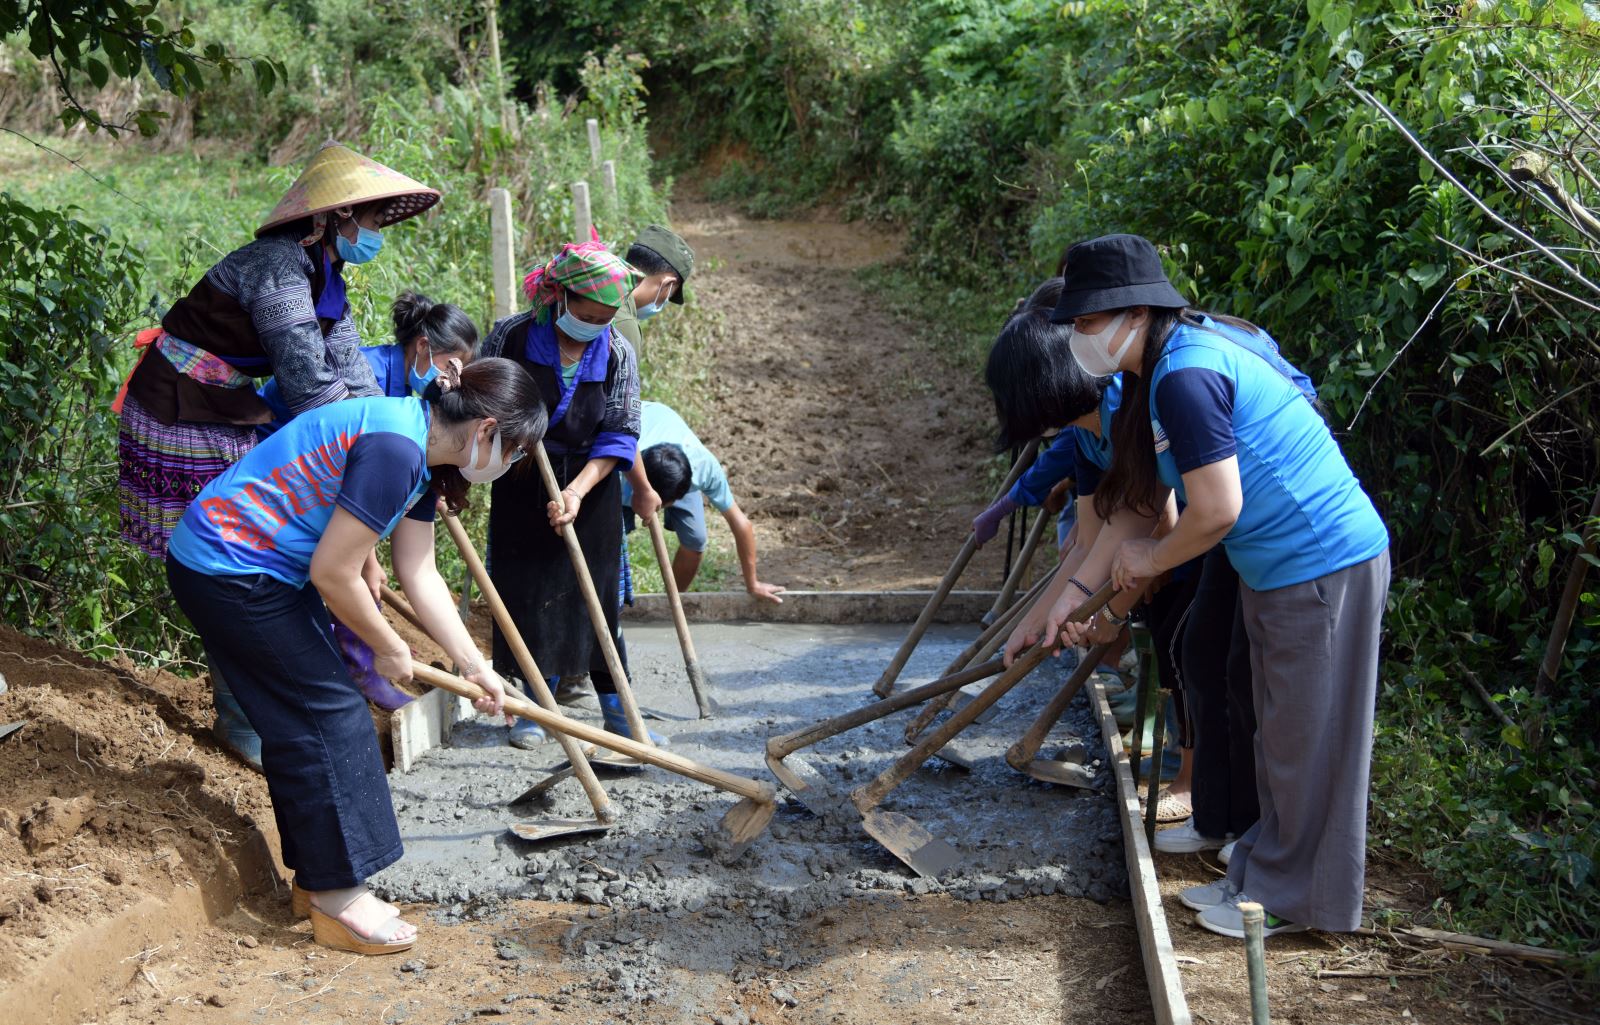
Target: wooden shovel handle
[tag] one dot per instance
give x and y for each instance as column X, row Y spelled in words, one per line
column 1008, row 589
column 597, row 614
column 1027, row 746
column 680, row 622
column 885, row 684
column 783, row 746
column 529, row 667
column 756, row 790
column 872, row 793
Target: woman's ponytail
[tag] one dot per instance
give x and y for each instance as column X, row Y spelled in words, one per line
column 450, row 332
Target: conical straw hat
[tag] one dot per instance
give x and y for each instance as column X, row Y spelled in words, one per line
column 338, row 176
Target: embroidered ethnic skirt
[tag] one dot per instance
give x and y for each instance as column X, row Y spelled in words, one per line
column 161, row 468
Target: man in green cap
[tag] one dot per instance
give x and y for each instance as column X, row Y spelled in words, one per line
column 664, row 262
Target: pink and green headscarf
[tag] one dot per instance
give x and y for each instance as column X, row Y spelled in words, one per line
column 586, row 268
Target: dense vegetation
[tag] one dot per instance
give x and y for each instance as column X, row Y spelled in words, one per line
column 1456, row 358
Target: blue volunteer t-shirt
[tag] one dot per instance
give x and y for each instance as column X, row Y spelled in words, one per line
column 1215, row 394
column 1057, row 462
column 1094, row 450
column 659, row 424
column 388, row 366
column 266, row 513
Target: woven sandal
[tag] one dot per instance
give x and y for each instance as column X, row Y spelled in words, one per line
column 1170, row 808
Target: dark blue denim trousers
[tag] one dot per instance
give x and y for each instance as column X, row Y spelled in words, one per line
column 319, row 751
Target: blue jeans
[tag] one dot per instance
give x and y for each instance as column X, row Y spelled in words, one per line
column 319, row 751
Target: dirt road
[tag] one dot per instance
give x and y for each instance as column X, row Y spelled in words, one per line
column 860, row 453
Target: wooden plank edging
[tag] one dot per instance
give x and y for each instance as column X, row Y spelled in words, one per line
column 1155, row 942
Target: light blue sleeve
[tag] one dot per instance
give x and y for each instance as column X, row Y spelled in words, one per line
column 709, row 477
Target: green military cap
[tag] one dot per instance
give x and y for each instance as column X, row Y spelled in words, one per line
column 671, row 247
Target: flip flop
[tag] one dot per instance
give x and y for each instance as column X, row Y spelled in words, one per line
column 328, row 931
column 1170, row 808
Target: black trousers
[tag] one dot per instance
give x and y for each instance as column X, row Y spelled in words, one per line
column 1164, row 614
column 1217, row 683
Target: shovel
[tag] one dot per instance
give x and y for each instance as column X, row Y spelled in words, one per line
column 741, row 825
column 1023, row 755
column 597, row 615
column 981, row 649
column 1019, row 569
column 691, row 661
column 604, row 814
column 885, row 685
column 904, row 837
column 806, row 783
column 10, row 729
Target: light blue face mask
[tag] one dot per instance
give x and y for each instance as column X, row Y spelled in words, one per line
column 662, row 298
column 419, row 382
column 364, row 248
column 578, row 330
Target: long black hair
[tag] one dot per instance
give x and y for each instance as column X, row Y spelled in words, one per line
column 488, row 387
column 450, row 332
column 1132, row 481
column 1036, row 383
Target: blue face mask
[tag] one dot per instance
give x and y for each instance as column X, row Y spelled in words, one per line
column 578, row 330
column 646, row 312
column 419, row 382
column 364, row 248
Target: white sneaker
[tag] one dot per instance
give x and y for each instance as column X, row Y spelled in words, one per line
column 1226, row 854
column 1183, row 839
column 1228, row 920
column 1198, row 898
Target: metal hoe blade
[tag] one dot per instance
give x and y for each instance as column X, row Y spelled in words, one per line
column 1065, row 773
column 11, row 728
column 537, row 792
column 905, row 838
column 550, row 829
column 811, row 789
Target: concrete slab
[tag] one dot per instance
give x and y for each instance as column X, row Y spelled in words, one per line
column 838, row 607
column 1016, row 836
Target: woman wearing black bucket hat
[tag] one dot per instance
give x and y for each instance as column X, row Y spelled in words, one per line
column 1212, row 412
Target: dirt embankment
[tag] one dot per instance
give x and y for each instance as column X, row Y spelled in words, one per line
column 120, row 822
column 860, row 454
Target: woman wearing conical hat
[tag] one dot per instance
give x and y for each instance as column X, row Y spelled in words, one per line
column 272, row 308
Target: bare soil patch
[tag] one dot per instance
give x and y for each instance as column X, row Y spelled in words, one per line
column 859, row 452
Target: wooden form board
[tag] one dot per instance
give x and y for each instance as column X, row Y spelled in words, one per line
column 1160, row 965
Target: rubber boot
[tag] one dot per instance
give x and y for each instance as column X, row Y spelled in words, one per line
column 616, row 721
column 525, row 734
column 233, row 730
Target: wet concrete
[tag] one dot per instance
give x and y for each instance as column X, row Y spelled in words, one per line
column 658, row 896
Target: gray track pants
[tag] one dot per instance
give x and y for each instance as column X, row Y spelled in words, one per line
column 1314, row 656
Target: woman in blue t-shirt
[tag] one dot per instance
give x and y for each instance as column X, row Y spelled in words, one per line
column 1210, row 414
column 287, row 529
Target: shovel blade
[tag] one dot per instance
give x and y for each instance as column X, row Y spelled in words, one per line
column 907, row 839
column 809, row 788
column 10, row 728
column 550, row 829
column 1068, row 774
column 957, row 755
column 966, row 694
column 598, row 760
column 739, row 828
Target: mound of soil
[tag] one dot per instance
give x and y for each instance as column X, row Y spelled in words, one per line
column 114, row 795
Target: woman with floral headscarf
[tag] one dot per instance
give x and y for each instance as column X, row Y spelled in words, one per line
column 272, row 308
column 588, row 376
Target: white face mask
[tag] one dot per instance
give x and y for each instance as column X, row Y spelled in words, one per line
column 1093, row 351
column 495, row 467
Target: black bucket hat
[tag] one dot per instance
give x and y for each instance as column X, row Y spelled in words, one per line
column 1110, row 273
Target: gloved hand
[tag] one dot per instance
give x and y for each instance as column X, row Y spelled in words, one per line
column 359, row 659
column 987, row 523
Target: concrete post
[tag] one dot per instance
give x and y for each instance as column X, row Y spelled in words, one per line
column 502, row 253
column 594, row 141
column 608, row 175
column 581, row 220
